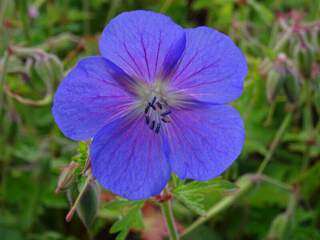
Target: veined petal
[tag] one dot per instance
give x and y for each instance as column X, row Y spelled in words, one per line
column 141, row 41
column 129, row 159
column 212, row 68
column 90, row 96
column 204, row 142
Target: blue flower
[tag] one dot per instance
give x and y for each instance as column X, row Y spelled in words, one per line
column 154, row 103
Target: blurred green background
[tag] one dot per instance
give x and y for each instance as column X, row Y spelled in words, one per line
column 41, row 40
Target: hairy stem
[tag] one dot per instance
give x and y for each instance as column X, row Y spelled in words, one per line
column 168, row 215
column 75, row 204
column 275, row 142
column 246, row 184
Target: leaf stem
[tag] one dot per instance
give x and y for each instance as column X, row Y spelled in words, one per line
column 3, row 72
column 275, row 142
column 166, row 208
column 246, row 184
column 75, row 204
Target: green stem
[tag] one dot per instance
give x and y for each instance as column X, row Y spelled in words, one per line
column 222, row 205
column 23, row 7
column 275, row 142
column 275, row 182
column 167, row 213
column 2, row 75
column 86, row 19
column 75, row 204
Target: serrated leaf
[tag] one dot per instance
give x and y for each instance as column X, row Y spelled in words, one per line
column 193, row 202
column 81, row 157
column 121, row 204
column 214, row 184
column 192, row 194
column 132, row 219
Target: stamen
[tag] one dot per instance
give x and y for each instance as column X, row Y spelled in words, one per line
column 153, row 100
column 165, row 119
column 147, row 109
column 147, row 119
column 165, row 113
column 151, row 105
column 156, row 112
column 158, row 128
column 152, row 125
column 159, row 105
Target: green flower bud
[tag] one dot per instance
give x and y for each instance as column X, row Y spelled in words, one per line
column 304, row 58
column 291, row 86
column 89, row 204
column 279, row 227
column 67, row 177
column 274, row 83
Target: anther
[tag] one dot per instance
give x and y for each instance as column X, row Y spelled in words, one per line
column 152, row 106
column 159, row 105
column 158, row 128
column 165, row 113
column 147, row 120
column 165, row 119
column 152, row 125
column 147, row 109
column 153, row 100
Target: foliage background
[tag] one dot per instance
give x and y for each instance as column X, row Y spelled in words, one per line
column 281, row 113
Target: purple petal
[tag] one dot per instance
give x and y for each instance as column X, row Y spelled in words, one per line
column 212, row 68
column 139, row 42
column 89, row 97
column 128, row 159
column 204, row 142
column 172, row 58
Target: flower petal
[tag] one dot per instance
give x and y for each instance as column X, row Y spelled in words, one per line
column 204, row 142
column 212, row 68
column 128, row 159
column 89, row 97
column 139, row 42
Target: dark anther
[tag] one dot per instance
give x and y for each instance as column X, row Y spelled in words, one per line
column 159, row 105
column 153, row 100
column 165, row 113
column 147, row 119
column 151, row 105
column 147, row 109
column 165, row 119
column 152, row 125
column 158, row 128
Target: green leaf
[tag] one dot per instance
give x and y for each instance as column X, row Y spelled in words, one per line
column 131, row 219
column 192, row 194
column 216, row 184
column 81, row 157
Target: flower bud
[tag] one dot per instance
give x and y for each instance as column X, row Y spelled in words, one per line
column 315, row 77
column 89, row 204
column 274, row 84
column 33, row 11
column 275, row 77
column 279, row 227
column 291, row 86
column 49, row 68
column 287, row 77
column 66, row 177
column 304, row 57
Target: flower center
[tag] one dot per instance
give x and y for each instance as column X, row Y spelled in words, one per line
column 156, row 112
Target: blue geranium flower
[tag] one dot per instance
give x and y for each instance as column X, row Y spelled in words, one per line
column 154, row 103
